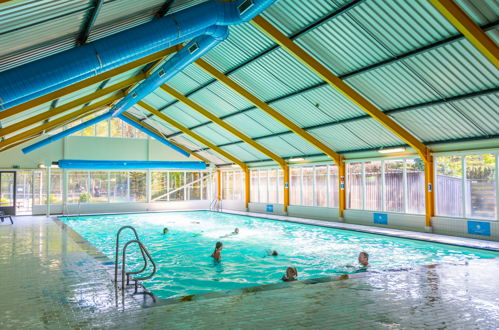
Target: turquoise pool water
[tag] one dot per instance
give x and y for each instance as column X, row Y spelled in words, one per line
column 185, row 266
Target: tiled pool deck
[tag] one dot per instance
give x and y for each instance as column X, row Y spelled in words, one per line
column 48, row 280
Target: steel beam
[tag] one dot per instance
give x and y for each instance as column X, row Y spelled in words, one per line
column 199, row 138
column 85, row 83
column 62, row 120
column 464, row 24
column 70, row 105
column 246, row 139
column 89, row 23
column 149, row 127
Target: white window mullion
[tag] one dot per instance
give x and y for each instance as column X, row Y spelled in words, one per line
column 463, row 180
column 301, row 185
column 328, row 189
column 314, row 185
column 404, row 179
column 383, row 187
column 363, row 185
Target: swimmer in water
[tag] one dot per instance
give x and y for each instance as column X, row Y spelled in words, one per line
column 217, row 253
column 235, row 232
column 165, row 231
column 364, row 259
column 272, row 253
column 291, row 274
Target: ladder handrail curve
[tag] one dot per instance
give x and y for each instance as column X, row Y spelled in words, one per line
column 117, row 253
column 123, row 270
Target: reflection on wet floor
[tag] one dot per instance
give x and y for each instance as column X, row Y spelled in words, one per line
column 49, row 280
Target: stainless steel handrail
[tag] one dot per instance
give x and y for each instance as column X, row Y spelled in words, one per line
column 123, row 269
column 117, row 252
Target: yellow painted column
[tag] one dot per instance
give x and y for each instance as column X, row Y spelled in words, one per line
column 429, row 174
column 341, row 187
column 219, row 185
column 285, row 170
column 247, row 190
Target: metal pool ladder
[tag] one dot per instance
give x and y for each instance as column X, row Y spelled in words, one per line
column 145, row 256
column 216, row 205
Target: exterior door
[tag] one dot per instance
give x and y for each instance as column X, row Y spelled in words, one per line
column 8, row 192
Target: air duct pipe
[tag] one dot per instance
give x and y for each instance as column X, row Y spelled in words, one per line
column 81, row 164
column 26, row 82
column 227, row 13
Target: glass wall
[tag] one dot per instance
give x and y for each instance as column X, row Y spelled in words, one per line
column 466, row 186
column 389, row 185
column 266, row 186
column 233, row 184
column 113, row 127
column 178, row 186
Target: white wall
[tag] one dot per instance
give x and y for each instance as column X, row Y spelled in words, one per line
column 89, row 147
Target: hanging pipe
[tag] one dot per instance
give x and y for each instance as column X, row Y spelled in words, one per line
column 85, row 164
column 26, row 82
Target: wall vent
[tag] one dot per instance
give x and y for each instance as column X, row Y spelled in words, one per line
column 243, row 7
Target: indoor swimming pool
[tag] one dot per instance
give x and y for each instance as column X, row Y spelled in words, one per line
column 185, row 266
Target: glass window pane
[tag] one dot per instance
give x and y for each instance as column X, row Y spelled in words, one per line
column 194, row 189
column 56, row 186
column 373, row 186
column 334, row 196
column 280, row 186
column 128, row 131
column 137, row 186
column 238, row 185
column 140, row 135
column 272, row 185
column 159, row 186
column 254, row 186
column 308, row 188
column 39, row 178
column 116, row 127
column 263, row 186
column 449, row 193
column 90, row 130
column 321, row 185
column 98, row 187
column 118, row 187
column 102, row 128
column 224, row 182
column 415, row 186
column 394, row 186
column 78, row 187
column 481, row 186
column 294, row 194
column 175, row 190
column 354, row 186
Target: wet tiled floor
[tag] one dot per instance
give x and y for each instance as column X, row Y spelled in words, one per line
column 48, row 280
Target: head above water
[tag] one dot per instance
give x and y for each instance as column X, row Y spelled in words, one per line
column 274, row 253
column 291, row 273
column 364, row 258
column 236, row 231
column 218, row 246
column 165, row 230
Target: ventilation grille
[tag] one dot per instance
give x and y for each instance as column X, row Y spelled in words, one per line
column 161, row 73
column 193, row 48
column 243, row 7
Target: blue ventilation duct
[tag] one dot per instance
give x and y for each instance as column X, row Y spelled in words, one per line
column 37, row 78
column 209, row 21
column 154, row 135
column 80, row 164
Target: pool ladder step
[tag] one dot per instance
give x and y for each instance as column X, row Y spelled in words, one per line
column 145, row 255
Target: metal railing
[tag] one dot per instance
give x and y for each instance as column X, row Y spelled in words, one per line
column 216, row 205
column 145, row 255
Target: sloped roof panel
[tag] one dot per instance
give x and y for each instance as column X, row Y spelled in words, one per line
column 481, row 11
column 372, row 132
column 268, row 123
column 249, row 126
column 240, row 153
column 339, row 138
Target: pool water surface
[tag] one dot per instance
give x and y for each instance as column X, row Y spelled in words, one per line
column 185, row 266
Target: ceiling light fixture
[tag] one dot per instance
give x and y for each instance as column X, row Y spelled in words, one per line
column 391, row 150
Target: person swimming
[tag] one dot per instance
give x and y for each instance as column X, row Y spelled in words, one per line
column 364, row 259
column 235, row 232
column 272, row 253
column 291, row 274
column 165, row 231
column 217, row 253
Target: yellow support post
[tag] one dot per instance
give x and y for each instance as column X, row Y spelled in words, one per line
column 429, row 173
column 219, row 185
column 464, row 24
column 87, row 82
column 199, row 138
column 199, row 109
column 149, row 127
column 341, row 189
column 70, row 105
column 62, row 120
column 319, row 69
